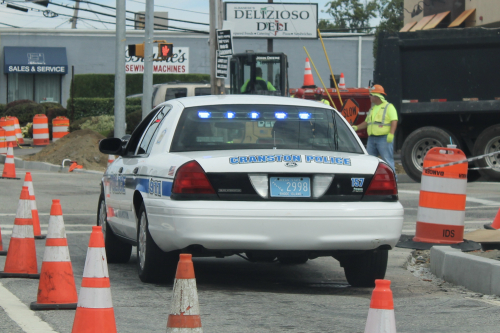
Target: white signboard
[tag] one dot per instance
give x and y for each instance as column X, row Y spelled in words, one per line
column 222, row 66
column 272, row 20
column 178, row 64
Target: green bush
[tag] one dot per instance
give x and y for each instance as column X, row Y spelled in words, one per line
column 133, row 119
column 132, row 108
column 19, row 102
column 87, row 107
column 2, row 109
column 103, row 85
column 25, row 112
column 134, row 101
column 101, row 124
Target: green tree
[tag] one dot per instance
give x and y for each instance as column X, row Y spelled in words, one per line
column 352, row 14
column 391, row 19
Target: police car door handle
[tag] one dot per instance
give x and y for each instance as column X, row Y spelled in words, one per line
column 120, row 170
column 135, row 170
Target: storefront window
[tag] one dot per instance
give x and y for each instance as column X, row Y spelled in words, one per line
column 39, row 88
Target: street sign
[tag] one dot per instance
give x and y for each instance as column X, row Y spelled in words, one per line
column 222, row 65
column 225, row 42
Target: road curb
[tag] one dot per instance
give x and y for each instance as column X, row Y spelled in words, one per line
column 475, row 273
column 33, row 165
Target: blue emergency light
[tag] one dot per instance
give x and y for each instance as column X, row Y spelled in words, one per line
column 304, row 115
column 204, row 114
column 230, row 115
column 280, row 115
column 254, row 115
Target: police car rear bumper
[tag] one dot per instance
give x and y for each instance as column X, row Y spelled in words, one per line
column 219, row 225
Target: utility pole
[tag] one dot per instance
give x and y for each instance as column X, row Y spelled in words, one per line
column 75, row 14
column 220, row 19
column 120, row 44
column 270, row 40
column 147, row 84
column 212, row 42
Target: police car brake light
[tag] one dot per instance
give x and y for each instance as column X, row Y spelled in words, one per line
column 383, row 182
column 204, row 114
column 191, row 179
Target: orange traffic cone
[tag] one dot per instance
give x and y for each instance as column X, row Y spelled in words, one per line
column 184, row 309
column 111, row 159
column 56, row 289
column 308, row 76
column 34, row 211
column 2, row 252
column 21, row 257
column 9, row 168
column 74, row 165
column 495, row 224
column 381, row 313
column 342, row 81
column 95, row 312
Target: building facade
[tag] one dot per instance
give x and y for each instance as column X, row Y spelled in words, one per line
column 38, row 64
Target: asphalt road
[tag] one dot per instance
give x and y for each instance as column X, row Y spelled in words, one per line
column 238, row 296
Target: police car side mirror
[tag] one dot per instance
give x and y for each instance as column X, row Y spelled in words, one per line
column 111, row 146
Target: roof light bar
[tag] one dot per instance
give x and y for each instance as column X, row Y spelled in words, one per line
column 304, row 115
column 204, row 114
column 280, row 115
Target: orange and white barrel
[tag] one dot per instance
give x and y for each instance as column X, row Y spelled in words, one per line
column 60, row 127
column 8, row 125
column 441, row 207
column 17, row 130
column 3, row 142
column 40, row 130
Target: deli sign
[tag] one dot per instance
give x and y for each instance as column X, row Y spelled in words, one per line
column 178, row 64
column 272, row 20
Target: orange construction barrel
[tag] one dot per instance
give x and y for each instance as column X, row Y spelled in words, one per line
column 60, row 127
column 3, row 142
column 40, row 130
column 8, row 125
column 441, row 207
column 17, row 130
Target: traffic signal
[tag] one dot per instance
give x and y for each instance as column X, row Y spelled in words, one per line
column 165, row 50
column 136, row 50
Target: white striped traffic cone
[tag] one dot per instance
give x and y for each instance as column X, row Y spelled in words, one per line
column 342, row 81
column 111, row 159
column 21, row 256
column 381, row 313
column 95, row 311
column 308, row 76
column 2, row 252
column 184, row 310
column 9, row 168
column 56, row 289
column 28, row 181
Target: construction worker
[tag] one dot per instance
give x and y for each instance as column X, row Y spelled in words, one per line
column 381, row 121
column 318, row 95
column 260, row 83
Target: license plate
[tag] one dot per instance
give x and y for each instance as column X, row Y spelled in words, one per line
column 291, row 187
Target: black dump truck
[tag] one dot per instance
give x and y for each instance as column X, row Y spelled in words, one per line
column 445, row 84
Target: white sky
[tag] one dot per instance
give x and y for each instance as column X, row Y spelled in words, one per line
column 190, row 10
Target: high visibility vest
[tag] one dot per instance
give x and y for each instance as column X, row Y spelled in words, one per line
column 382, row 127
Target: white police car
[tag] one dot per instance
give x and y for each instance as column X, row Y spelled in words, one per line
column 260, row 176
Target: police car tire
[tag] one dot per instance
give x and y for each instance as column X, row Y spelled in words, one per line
column 428, row 132
column 488, row 137
column 117, row 251
column 158, row 265
column 362, row 270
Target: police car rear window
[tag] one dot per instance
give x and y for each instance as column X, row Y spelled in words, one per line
column 230, row 127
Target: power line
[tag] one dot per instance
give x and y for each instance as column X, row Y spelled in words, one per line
column 131, row 12
column 10, row 25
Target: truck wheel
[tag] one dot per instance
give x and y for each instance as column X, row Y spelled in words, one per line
column 417, row 144
column 488, row 142
column 361, row 270
column 117, row 251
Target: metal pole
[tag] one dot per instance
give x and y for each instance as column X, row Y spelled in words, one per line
column 360, row 45
column 213, row 48
column 147, row 85
column 75, row 14
column 270, row 40
column 120, row 70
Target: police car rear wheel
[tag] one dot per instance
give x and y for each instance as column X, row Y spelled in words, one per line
column 117, row 251
column 153, row 264
column 361, row 270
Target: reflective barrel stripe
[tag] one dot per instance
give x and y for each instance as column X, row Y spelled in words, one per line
column 60, row 126
column 445, row 185
column 17, row 130
column 442, row 200
column 40, row 126
column 440, row 216
column 40, row 130
column 60, row 129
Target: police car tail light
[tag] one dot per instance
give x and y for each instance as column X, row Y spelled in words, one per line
column 191, row 179
column 383, row 182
